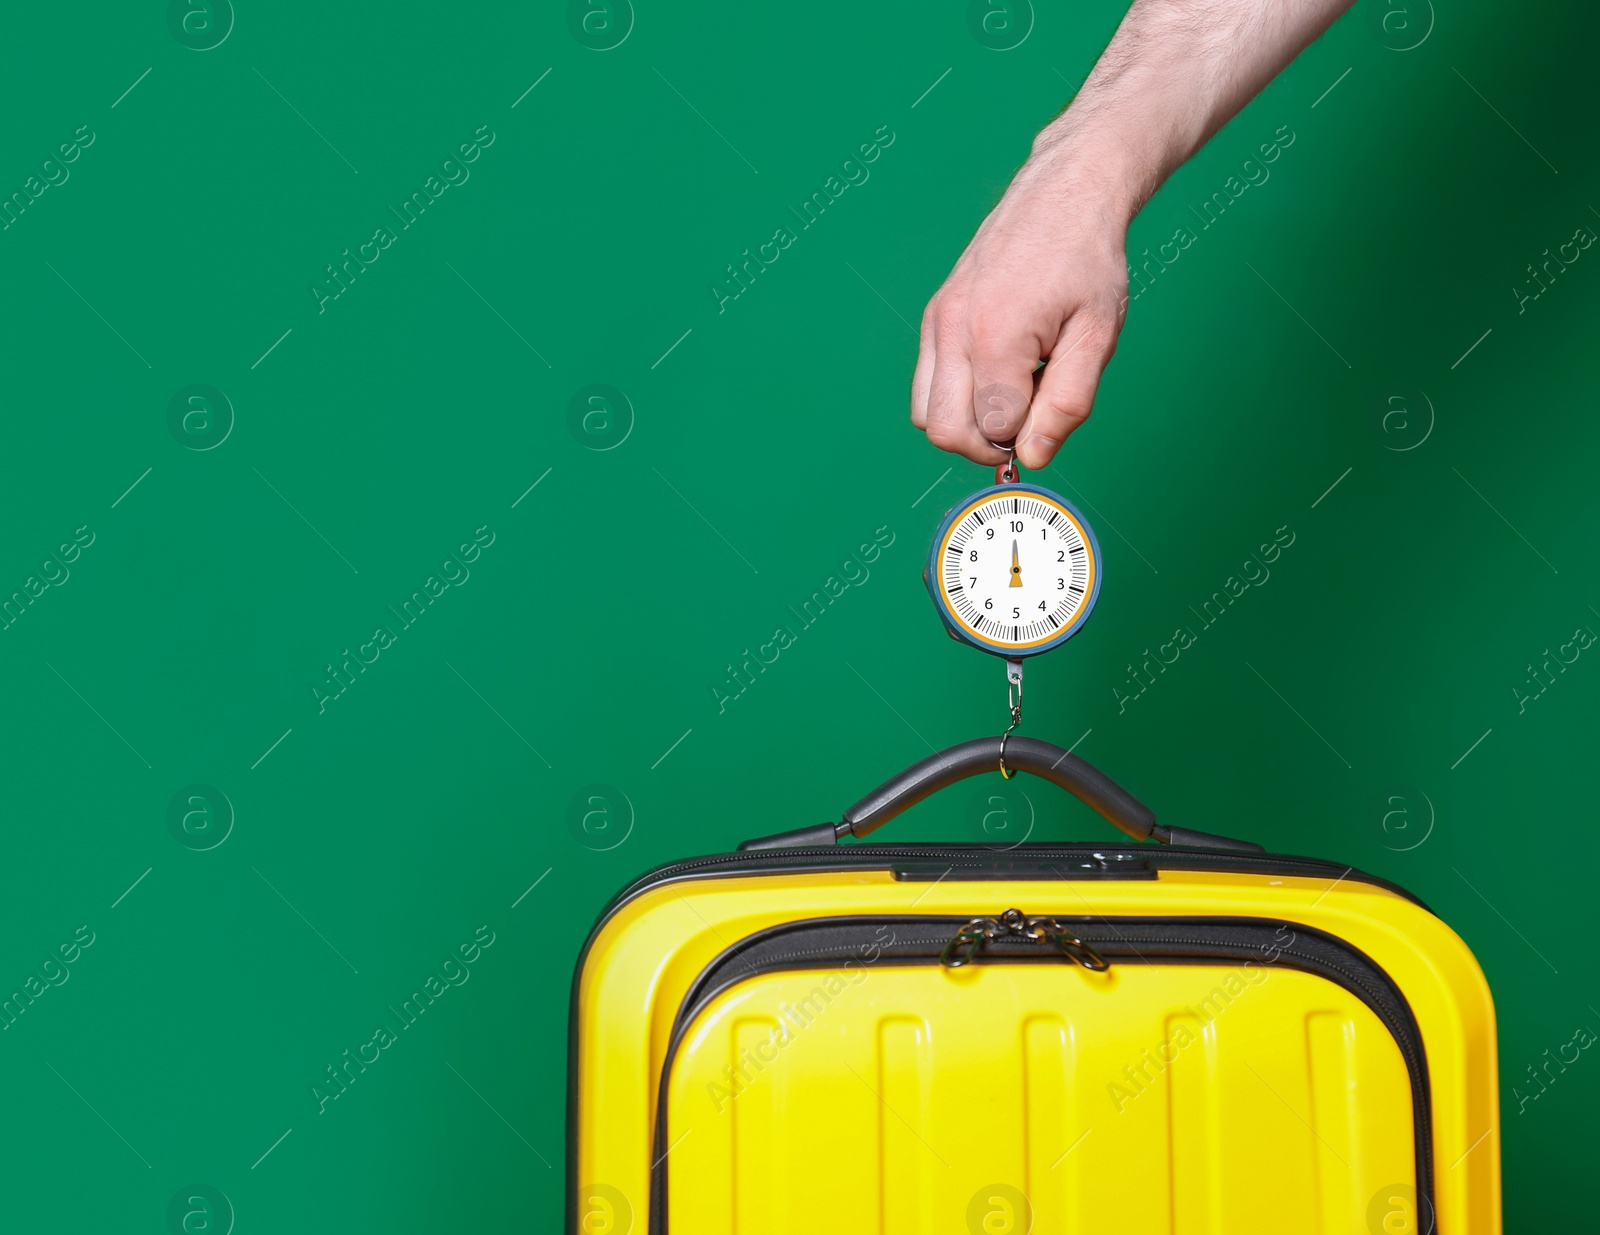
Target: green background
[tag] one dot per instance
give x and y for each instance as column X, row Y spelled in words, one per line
column 1329, row 712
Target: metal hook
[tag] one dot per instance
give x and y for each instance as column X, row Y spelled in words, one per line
column 1014, row 702
column 1008, row 472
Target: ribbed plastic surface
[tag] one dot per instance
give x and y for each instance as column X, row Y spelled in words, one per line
column 1205, row 1100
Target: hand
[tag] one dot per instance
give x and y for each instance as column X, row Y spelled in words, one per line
column 1044, row 279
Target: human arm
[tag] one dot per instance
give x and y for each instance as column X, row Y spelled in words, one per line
column 1045, row 277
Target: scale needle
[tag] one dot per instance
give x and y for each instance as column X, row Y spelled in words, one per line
column 1016, row 568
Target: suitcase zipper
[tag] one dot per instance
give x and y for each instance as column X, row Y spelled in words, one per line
column 1046, row 857
column 970, row 939
column 1012, row 937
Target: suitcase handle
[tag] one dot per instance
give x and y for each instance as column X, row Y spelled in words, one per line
column 1044, row 759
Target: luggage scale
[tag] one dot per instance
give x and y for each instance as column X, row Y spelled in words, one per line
column 1014, row 571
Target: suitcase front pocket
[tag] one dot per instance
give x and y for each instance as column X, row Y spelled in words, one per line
column 1217, row 1075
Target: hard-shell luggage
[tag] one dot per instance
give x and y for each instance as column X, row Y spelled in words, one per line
column 1188, row 1036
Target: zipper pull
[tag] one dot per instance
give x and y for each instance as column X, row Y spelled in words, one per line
column 1074, row 947
column 963, row 947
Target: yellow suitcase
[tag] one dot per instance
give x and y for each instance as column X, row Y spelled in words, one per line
column 1193, row 1036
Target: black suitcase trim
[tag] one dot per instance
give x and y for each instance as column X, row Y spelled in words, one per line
column 829, row 943
column 1042, row 857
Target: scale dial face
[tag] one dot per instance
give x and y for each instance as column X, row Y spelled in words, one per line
column 1014, row 570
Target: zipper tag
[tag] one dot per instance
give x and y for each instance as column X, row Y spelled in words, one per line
column 963, row 947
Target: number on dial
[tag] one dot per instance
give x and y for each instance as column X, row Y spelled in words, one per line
column 1016, row 570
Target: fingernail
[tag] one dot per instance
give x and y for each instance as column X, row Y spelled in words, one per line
column 1038, row 449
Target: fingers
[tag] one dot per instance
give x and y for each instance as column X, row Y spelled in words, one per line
column 1067, row 386
column 950, row 425
column 942, row 399
column 977, row 381
column 922, row 379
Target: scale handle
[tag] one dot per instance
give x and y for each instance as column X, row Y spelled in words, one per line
column 1043, row 759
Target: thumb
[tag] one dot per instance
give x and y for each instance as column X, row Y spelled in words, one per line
column 1003, row 361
